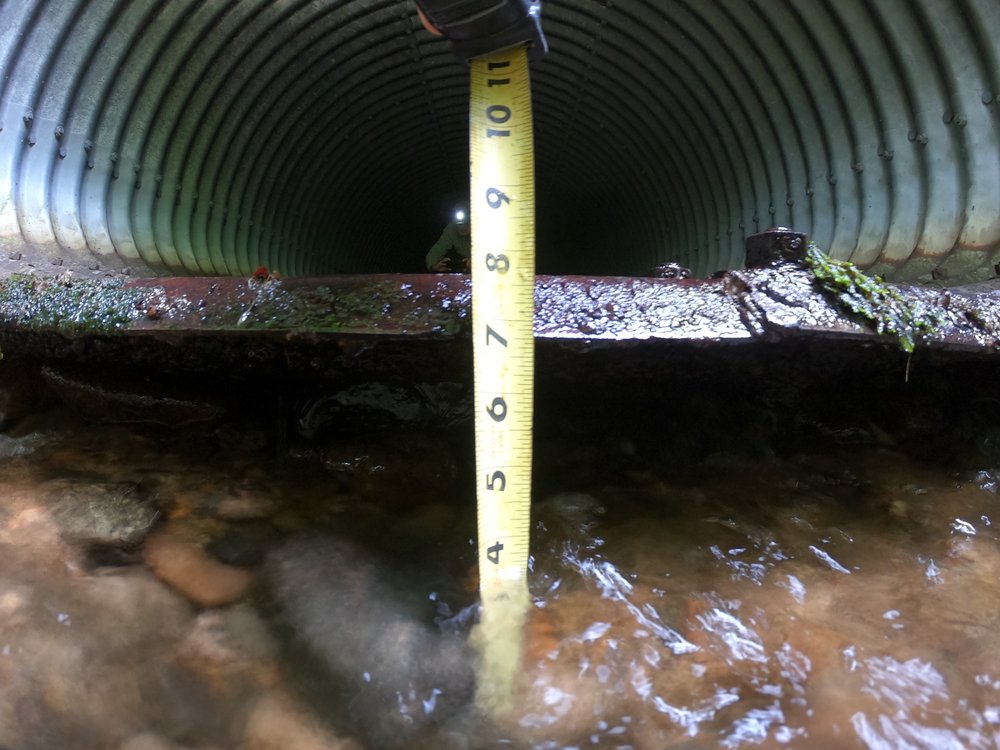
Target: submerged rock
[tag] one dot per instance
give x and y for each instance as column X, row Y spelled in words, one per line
column 149, row 741
column 372, row 407
column 398, row 676
column 11, row 447
column 111, row 397
column 243, row 504
column 182, row 564
column 244, row 544
column 20, row 394
column 277, row 722
column 232, row 651
column 106, row 514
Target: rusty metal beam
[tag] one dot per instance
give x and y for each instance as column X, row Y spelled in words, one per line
column 362, row 313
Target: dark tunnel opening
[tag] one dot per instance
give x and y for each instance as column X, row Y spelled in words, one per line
column 331, row 137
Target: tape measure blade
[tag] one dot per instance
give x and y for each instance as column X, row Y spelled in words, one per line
column 503, row 283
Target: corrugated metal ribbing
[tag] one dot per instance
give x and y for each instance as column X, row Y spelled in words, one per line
column 872, row 125
column 322, row 136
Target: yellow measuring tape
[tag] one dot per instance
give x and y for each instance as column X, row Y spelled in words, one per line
column 502, row 201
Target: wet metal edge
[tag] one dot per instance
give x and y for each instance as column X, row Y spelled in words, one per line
column 421, row 322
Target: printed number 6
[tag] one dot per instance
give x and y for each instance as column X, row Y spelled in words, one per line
column 497, row 410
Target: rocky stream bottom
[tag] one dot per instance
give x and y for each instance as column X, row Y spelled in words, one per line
column 784, row 576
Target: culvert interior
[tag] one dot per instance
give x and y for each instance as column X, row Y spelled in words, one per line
column 330, row 136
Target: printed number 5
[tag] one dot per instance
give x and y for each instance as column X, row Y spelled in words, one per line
column 497, row 478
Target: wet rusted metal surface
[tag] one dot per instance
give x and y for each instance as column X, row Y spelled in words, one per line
column 767, row 303
column 383, row 305
column 416, row 327
column 362, row 351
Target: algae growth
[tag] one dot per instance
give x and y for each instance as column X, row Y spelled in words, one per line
column 87, row 306
column 871, row 298
column 380, row 305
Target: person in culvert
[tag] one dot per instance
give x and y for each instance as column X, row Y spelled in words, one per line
column 451, row 253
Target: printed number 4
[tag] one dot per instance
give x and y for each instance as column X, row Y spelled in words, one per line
column 493, row 553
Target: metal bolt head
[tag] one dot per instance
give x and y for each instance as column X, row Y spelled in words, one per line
column 669, row 271
column 774, row 245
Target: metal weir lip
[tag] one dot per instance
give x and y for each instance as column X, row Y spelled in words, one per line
column 758, row 305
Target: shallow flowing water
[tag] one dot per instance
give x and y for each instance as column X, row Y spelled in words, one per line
column 202, row 589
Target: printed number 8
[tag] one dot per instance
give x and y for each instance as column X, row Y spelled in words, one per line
column 498, row 263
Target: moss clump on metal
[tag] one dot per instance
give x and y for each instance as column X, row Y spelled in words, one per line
column 69, row 306
column 333, row 310
column 871, row 298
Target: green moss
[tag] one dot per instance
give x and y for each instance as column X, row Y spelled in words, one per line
column 69, row 306
column 363, row 309
column 871, row 298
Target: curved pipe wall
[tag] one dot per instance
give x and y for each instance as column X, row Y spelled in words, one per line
column 330, row 136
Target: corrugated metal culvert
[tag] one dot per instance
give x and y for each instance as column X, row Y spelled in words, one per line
column 326, row 136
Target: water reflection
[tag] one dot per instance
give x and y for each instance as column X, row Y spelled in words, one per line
column 194, row 590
